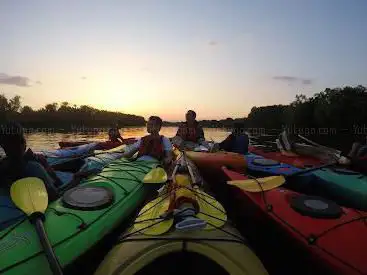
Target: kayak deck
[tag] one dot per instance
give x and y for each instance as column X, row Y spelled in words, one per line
column 74, row 231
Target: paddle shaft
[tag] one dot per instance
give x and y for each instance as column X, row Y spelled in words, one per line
column 50, row 255
column 311, row 169
column 319, row 145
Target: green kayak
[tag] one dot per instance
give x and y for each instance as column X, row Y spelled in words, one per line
column 345, row 187
column 78, row 220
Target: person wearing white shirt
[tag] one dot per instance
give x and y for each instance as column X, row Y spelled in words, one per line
column 153, row 147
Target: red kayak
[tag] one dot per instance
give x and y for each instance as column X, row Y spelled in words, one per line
column 334, row 238
column 295, row 160
column 105, row 145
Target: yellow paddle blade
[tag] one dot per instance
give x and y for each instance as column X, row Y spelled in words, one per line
column 149, row 220
column 120, row 148
column 258, row 185
column 176, row 153
column 29, row 195
column 156, row 175
column 211, row 210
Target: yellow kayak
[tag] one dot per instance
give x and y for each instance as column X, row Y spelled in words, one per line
column 182, row 231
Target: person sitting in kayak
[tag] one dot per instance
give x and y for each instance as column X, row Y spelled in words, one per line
column 237, row 141
column 356, row 158
column 190, row 133
column 358, row 150
column 114, row 135
column 21, row 163
column 153, row 146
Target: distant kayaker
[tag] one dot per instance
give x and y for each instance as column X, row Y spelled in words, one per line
column 20, row 163
column 153, row 146
column 358, row 150
column 237, row 141
column 190, row 134
column 114, row 135
column 356, row 158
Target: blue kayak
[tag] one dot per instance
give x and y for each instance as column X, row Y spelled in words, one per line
column 260, row 166
column 60, row 156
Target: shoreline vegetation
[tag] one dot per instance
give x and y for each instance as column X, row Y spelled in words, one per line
column 331, row 114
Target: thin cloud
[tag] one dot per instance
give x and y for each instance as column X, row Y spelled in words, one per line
column 213, row 43
column 292, row 79
column 83, row 78
column 146, row 69
column 307, row 81
column 39, row 82
column 20, row 81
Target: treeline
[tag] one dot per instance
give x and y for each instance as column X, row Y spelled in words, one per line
column 64, row 116
column 224, row 123
column 334, row 109
column 338, row 108
column 335, row 117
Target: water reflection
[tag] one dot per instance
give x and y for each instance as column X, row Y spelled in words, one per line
column 49, row 141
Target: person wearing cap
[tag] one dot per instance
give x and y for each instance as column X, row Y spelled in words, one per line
column 190, row 133
column 237, row 141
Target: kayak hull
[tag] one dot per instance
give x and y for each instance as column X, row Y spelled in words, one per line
column 72, row 232
column 154, row 245
column 138, row 254
column 63, row 159
column 295, row 160
column 205, row 161
column 330, row 246
column 104, row 145
column 256, row 169
column 347, row 188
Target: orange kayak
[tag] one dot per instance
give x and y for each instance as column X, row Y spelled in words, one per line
column 216, row 160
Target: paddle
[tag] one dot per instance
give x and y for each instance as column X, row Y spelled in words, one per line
column 189, row 168
column 268, row 183
column 336, row 153
column 30, row 196
column 152, row 219
column 155, row 176
column 259, row 184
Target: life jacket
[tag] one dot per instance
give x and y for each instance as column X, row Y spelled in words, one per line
column 240, row 144
column 189, row 134
column 151, row 146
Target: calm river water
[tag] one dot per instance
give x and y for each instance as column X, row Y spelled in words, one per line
column 49, row 141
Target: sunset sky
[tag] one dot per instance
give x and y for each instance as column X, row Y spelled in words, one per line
column 219, row 58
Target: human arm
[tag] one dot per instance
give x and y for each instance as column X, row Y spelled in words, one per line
column 179, row 132
column 200, row 134
column 119, row 137
column 131, row 149
column 41, row 159
column 168, row 154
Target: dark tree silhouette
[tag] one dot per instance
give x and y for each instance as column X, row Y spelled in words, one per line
column 64, row 116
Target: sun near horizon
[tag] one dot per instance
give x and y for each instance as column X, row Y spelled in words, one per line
column 162, row 57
